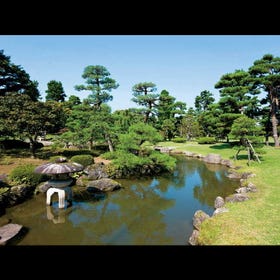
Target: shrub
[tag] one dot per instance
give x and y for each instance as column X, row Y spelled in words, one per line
column 179, row 140
column 84, row 160
column 71, row 152
column 24, row 174
column 206, row 140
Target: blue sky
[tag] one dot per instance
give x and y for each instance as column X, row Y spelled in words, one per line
column 184, row 65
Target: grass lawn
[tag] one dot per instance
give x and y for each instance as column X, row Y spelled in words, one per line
column 252, row 222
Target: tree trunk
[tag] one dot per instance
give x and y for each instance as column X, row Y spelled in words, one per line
column 274, row 121
column 110, row 143
column 90, row 144
column 32, row 147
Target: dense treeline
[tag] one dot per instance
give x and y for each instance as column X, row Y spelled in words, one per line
column 157, row 115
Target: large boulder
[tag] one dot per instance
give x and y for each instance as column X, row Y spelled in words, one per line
column 198, row 218
column 96, row 171
column 213, row 158
column 8, row 231
column 193, row 240
column 103, row 185
column 219, row 202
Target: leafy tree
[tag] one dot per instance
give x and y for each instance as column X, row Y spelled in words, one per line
column 245, row 127
column 144, row 96
column 55, row 91
column 165, row 106
column 136, row 136
column 266, row 74
column 210, row 121
column 236, row 93
column 14, row 79
column 74, row 100
column 88, row 125
column 99, row 83
column 190, row 127
column 169, row 113
column 20, row 117
column 203, row 100
column 123, row 119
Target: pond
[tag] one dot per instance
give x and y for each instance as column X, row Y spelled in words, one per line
column 147, row 211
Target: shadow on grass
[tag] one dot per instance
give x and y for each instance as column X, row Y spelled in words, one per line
column 221, row 146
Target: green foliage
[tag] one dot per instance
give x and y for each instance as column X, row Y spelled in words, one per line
column 244, row 127
column 71, row 152
column 55, row 91
column 204, row 100
column 24, row 174
column 179, row 140
column 84, row 160
column 99, row 83
column 14, row 79
column 206, row 140
column 144, row 96
column 164, row 160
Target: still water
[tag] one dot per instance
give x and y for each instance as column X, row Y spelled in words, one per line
column 146, row 211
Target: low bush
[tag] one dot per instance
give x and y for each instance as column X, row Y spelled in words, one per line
column 24, row 174
column 206, row 140
column 179, row 140
column 84, row 160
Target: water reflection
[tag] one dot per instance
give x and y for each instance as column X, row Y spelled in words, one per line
column 146, row 211
column 58, row 216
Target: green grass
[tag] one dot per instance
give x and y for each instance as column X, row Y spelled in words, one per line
column 255, row 221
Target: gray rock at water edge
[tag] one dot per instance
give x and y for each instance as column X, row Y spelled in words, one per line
column 96, row 171
column 220, row 211
column 8, row 231
column 237, row 197
column 213, row 158
column 193, row 240
column 103, row 185
column 241, row 190
column 43, row 187
column 198, row 218
column 219, row 202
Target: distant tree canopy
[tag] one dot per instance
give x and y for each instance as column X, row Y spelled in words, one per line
column 144, row 96
column 203, row 101
column 99, row 83
column 55, row 91
column 14, row 79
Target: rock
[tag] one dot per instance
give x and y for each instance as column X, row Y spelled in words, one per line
column 193, row 240
column 241, row 190
column 219, row 202
column 103, row 185
column 251, row 187
column 238, row 197
column 43, row 187
column 227, row 163
column 234, row 175
column 213, row 158
column 198, row 218
column 8, row 231
column 96, row 171
column 220, row 211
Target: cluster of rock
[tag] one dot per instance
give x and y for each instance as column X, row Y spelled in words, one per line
column 220, row 203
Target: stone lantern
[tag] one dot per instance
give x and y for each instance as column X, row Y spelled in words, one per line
column 60, row 179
